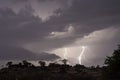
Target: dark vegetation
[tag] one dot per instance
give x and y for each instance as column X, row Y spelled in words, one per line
column 27, row 71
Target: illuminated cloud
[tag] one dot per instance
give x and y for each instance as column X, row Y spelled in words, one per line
column 99, row 36
column 97, row 44
column 69, row 31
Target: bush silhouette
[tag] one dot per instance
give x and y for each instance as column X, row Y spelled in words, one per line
column 64, row 61
column 113, row 65
column 42, row 63
column 114, row 61
column 9, row 64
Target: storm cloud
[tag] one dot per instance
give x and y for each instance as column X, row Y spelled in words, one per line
column 17, row 53
column 71, row 23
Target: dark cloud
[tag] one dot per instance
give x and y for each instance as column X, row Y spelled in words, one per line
column 18, row 27
column 89, row 15
column 19, row 1
column 62, row 3
column 24, row 28
column 44, row 0
column 14, row 1
column 17, row 53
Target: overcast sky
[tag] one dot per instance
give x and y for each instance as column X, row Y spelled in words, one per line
column 60, row 27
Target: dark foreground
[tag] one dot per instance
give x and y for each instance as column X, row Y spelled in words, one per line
column 52, row 72
column 56, row 72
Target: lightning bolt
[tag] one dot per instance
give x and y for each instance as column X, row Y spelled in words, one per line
column 80, row 56
column 65, row 54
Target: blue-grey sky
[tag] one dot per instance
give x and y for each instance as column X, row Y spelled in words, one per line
column 38, row 27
